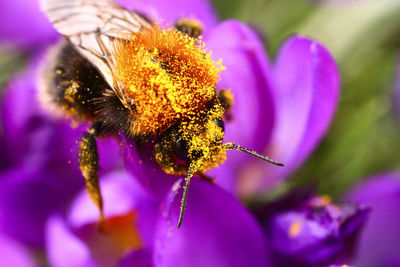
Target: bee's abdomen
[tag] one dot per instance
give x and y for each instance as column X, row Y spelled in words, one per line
column 72, row 86
column 71, row 83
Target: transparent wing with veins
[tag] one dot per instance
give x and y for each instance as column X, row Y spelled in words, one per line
column 92, row 26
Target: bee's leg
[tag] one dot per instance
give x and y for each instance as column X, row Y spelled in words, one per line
column 206, row 178
column 191, row 27
column 89, row 165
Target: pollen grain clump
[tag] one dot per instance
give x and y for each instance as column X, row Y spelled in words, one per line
column 169, row 76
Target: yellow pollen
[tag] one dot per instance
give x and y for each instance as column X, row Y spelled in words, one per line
column 168, row 75
column 294, row 229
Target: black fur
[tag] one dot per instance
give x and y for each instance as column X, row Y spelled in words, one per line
column 79, row 89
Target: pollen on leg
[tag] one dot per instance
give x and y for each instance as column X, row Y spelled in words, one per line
column 169, row 75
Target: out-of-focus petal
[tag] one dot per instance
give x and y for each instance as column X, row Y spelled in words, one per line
column 137, row 258
column 170, row 11
column 306, row 94
column 306, row 230
column 28, row 196
column 64, row 249
column 248, row 76
column 31, row 136
column 379, row 243
column 225, row 177
column 216, row 231
column 23, row 24
column 309, row 233
column 14, row 254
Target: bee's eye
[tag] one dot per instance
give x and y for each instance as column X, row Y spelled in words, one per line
column 180, row 149
column 220, row 124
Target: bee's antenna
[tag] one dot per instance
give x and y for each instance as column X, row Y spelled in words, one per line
column 229, row 146
column 185, row 192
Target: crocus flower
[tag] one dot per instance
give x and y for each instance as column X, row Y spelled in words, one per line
column 218, row 231
column 309, row 230
column 380, row 240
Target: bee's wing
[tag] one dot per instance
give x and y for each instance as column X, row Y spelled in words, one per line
column 91, row 26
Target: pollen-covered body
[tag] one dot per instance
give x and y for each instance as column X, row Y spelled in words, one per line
column 168, row 76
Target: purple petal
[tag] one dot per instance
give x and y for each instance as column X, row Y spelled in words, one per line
column 216, row 231
column 139, row 161
column 31, row 136
column 309, row 233
column 170, row 11
column 14, row 254
column 306, row 93
column 137, row 258
column 225, row 177
column 28, row 196
column 379, row 243
column 23, row 24
column 110, row 154
column 64, row 248
column 248, row 76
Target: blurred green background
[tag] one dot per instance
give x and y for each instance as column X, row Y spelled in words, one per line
column 364, row 38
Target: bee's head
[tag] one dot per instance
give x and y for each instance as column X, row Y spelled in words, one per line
column 195, row 145
column 196, row 142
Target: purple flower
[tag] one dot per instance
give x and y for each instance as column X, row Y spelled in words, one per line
column 140, row 232
column 380, row 240
column 307, row 230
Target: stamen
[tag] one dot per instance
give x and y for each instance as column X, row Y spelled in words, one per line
column 294, row 229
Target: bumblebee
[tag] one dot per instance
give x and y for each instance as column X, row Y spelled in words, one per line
column 123, row 73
